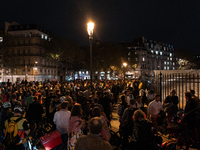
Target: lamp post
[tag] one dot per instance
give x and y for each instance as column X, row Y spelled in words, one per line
column 35, row 68
column 124, row 64
column 90, row 27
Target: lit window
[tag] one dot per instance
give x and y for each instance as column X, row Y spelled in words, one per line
column 167, row 58
column 45, row 37
column 152, row 51
column 129, row 53
column 143, row 59
column 160, row 53
column 173, row 68
column 164, row 48
column 167, row 68
column 170, row 58
column 156, row 52
column 1, row 39
column 49, row 39
column 164, row 67
column 42, row 36
column 170, row 54
column 165, row 62
column 83, row 72
column 79, row 72
column 86, row 72
column 173, row 63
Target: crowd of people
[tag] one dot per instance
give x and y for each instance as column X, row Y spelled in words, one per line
column 68, row 106
column 82, row 112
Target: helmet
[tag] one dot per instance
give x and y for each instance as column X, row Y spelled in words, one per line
column 6, row 105
column 19, row 108
column 62, row 99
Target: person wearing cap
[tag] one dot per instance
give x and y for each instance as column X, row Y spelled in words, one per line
column 61, row 119
column 22, row 125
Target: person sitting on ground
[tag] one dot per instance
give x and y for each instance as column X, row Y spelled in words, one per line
column 94, row 139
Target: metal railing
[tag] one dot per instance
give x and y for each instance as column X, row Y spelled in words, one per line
column 181, row 82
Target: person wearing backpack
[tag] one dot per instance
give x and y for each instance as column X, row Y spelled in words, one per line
column 127, row 122
column 15, row 130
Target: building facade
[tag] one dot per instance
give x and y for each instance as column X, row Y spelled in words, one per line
column 149, row 56
column 23, row 54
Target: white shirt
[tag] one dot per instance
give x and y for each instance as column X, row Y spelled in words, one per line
column 154, row 108
column 61, row 118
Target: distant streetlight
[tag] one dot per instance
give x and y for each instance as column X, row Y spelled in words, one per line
column 124, row 64
column 90, row 27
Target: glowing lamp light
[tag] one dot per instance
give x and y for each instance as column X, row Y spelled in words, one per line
column 124, row 64
column 90, row 27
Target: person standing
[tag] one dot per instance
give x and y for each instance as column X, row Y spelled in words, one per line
column 94, row 139
column 61, row 119
column 75, row 126
column 22, row 127
column 154, row 109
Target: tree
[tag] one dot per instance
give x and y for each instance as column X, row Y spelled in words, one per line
column 66, row 51
column 186, row 59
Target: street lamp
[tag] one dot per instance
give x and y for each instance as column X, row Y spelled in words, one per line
column 124, row 64
column 90, row 27
column 35, row 69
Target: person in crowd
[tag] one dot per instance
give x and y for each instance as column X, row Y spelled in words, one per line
column 139, row 103
column 171, row 105
column 115, row 91
column 195, row 98
column 96, row 111
column 154, row 109
column 14, row 101
column 141, row 136
column 35, row 111
column 93, row 140
column 69, row 99
column 127, row 122
column 75, row 126
column 61, row 119
column 150, row 96
column 29, row 98
column 23, row 129
column 189, row 112
column 106, row 104
column 128, row 97
column 121, row 107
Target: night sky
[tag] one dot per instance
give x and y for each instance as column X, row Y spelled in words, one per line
column 174, row 22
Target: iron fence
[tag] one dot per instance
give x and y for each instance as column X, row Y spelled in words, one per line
column 164, row 83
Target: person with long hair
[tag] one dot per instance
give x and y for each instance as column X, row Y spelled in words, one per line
column 75, row 127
